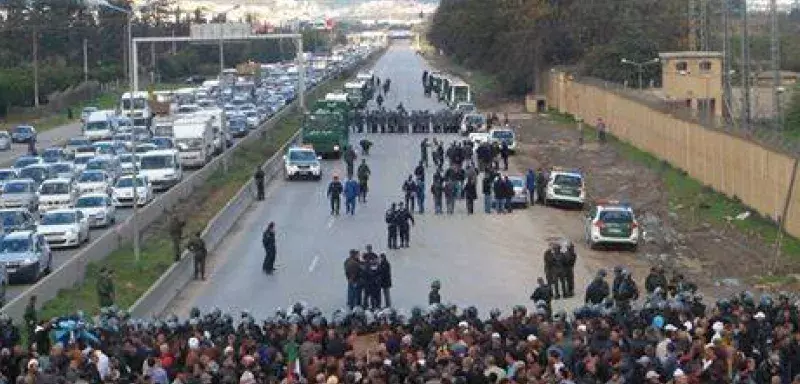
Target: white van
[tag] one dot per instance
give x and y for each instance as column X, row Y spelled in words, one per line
column 194, row 139
column 99, row 126
column 162, row 167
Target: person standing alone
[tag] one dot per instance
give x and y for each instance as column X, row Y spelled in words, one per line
column 258, row 178
column 268, row 241
column 335, row 190
column 351, row 193
column 386, row 280
column 198, row 248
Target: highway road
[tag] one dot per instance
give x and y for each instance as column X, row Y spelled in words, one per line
column 483, row 260
column 49, row 138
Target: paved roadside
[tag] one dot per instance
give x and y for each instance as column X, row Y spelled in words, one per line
column 49, row 138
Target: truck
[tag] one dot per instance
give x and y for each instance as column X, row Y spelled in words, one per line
column 458, row 92
column 99, row 126
column 219, row 125
column 194, row 138
column 357, row 93
column 326, row 132
column 135, row 106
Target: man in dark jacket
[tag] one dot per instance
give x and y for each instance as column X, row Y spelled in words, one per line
column 541, row 184
column 198, row 248
column 258, row 177
column 386, row 279
column 598, row 289
column 570, row 257
column 270, row 251
column 352, row 270
column 409, row 191
column 391, row 222
column 551, row 268
column 437, row 190
column 350, row 157
column 486, row 188
column 655, row 279
column 404, row 222
column 543, row 293
column 470, row 194
column 504, row 152
column 372, row 283
column 335, row 189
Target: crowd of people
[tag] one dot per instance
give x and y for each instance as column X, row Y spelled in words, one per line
column 664, row 339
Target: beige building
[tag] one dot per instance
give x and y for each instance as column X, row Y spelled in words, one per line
column 693, row 79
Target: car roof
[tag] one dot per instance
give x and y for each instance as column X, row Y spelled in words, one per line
column 27, row 181
column 60, row 210
column 16, row 235
column 14, row 210
column 159, row 152
column 93, row 194
column 93, row 171
column 57, row 181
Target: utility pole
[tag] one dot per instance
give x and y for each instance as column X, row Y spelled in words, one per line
column 745, row 66
column 776, row 64
column 35, row 67
column 726, row 60
column 152, row 63
column 692, row 16
column 704, row 32
column 85, row 60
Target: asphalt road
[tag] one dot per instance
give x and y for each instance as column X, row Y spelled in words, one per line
column 484, row 260
column 46, row 139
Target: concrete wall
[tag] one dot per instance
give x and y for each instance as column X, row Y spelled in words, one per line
column 732, row 165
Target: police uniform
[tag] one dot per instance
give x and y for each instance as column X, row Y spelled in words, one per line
column 404, row 222
column 199, row 250
column 391, row 223
column 176, row 233
column 259, row 179
column 551, row 270
column 570, row 257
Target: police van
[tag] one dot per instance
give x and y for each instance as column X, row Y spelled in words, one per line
column 565, row 186
column 611, row 222
column 303, row 161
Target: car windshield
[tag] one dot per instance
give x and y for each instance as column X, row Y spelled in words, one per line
column 568, row 181
column 302, row 156
column 7, row 175
column 616, row 216
column 58, row 218
column 82, row 159
column 25, row 161
column 475, row 119
column 143, row 149
column 96, row 125
column 36, row 173
column 127, row 182
column 189, row 144
column 97, row 165
column 90, row 201
column 16, row 187
column 517, row 182
column 157, row 162
column 127, row 158
column 54, row 189
column 11, row 218
column 75, row 142
column 22, row 130
column 106, row 150
column 51, row 153
column 15, row 245
column 62, row 168
column 503, row 135
column 91, row 177
column 162, row 143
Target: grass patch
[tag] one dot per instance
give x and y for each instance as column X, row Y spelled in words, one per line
column 694, row 202
column 106, row 100
column 132, row 280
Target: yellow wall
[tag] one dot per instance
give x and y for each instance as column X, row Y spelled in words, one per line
column 694, row 83
column 734, row 166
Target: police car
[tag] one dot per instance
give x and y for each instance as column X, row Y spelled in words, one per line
column 611, row 222
column 565, row 186
column 301, row 162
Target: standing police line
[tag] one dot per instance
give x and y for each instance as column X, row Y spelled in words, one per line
column 383, row 120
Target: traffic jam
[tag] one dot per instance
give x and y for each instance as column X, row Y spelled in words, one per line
column 55, row 197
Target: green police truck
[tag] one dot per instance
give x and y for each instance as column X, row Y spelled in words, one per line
column 326, row 131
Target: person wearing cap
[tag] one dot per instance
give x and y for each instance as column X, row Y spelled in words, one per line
column 335, row 189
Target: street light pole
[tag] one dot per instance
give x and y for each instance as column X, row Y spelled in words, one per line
column 134, row 84
column 640, row 68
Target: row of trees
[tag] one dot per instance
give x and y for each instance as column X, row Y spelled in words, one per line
column 515, row 38
column 53, row 31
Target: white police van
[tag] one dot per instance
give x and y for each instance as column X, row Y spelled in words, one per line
column 610, row 222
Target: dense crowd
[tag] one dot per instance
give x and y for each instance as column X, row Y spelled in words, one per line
column 665, row 340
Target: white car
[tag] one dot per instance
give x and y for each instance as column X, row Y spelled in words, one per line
column 56, row 194
column 64, row 228
column 478, row 138
column 301, row 162
column 611, row 223
column 93, row 182
column 64, row 170
column 98, row 209
column 565, row 186
column 128, row 163
column 81, row 159
column 122, row 192
column 504, row 135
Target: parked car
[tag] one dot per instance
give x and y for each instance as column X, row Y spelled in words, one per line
column 98, row 209
column 64, row 228
column 20, row 193
column 24, row 161
column 23, row 134
column 26, row 256
column 5, row 140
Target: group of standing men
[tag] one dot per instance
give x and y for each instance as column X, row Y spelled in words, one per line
column 559, row 269
column 369, row 279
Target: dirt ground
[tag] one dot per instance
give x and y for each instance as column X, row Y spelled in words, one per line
column 719, row 260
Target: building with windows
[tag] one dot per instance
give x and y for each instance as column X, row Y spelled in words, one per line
column 693, row 79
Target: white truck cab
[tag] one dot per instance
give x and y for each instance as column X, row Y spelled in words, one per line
column 162, row 168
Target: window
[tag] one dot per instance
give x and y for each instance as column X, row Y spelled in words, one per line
column 705, row 66
column 681, row 66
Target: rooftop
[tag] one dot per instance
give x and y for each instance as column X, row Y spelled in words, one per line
column 690, row 55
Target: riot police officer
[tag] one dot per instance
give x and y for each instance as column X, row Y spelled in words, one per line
column 570, row 257
column 551, row 269
column 543, row 293
column 598, row 290
column 391, row 222
column 404, row 220
column 176, row 225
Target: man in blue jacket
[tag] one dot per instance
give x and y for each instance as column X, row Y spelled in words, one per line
column 530, row 185
column 351, row 191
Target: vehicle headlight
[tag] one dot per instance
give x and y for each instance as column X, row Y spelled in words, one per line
column 72, row 231
column 29, row 261
column 335, row 147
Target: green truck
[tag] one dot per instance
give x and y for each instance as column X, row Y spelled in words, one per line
column 326, row 131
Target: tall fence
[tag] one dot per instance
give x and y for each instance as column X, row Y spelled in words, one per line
column 735, row 166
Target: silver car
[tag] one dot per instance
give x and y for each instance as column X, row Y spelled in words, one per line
column 520, row 197
column 20, row 193
column 5, row 141
column 26, row 256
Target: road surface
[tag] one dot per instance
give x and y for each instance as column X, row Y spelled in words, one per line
column 49, row 138
column 484, row 260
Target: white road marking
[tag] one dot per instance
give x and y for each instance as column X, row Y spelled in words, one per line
column 313, row 264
